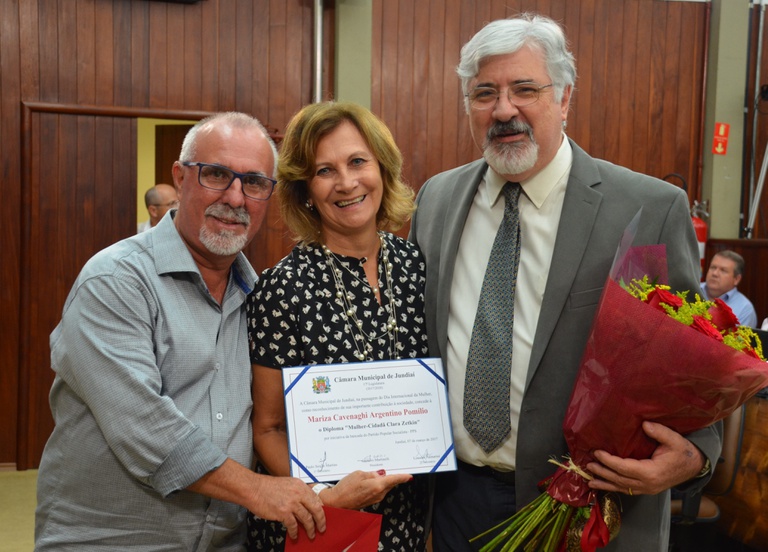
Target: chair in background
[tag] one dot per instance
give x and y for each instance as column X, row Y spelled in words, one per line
column 743, row 513
column 694, row 508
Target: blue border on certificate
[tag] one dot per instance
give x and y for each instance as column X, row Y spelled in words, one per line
column 428, row 363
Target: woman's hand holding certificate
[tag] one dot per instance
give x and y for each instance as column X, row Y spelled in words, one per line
column 360, row 489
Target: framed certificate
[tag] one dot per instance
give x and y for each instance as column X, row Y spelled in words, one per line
column 391, row 415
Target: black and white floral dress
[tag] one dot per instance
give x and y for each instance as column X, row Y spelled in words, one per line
column 296, row 318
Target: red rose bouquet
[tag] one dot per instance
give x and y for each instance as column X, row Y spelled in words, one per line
column 644, row 339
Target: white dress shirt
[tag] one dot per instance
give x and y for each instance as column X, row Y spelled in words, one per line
column 539, row 205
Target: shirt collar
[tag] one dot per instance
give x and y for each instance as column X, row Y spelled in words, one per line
column 172, row 255
column 724, row 297
column 540, row 185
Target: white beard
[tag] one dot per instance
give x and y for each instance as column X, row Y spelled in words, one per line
column 511, row 158
column 225, row 243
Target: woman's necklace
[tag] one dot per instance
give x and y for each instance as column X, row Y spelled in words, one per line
column 362, row 340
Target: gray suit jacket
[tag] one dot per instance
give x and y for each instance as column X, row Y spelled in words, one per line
column 600, row 201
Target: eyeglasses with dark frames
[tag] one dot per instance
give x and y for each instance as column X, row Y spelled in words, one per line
column 219, row 178
column 520, row 94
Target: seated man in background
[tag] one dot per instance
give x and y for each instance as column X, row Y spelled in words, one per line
column 724, row 274
column 159, row 199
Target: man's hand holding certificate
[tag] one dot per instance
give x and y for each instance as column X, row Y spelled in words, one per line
column 390, row 415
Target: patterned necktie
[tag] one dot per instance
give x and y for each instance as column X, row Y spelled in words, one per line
column 486, row 388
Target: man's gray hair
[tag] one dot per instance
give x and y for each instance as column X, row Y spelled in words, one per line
column 234, row 119
column 507, row 36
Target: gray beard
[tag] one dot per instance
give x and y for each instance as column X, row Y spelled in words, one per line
column 225, row 243
column 511, row 158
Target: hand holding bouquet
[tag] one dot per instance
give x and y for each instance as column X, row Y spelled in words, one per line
column 651, row 355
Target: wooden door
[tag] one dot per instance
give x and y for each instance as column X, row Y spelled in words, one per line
column 79, row 197
column 168, row 140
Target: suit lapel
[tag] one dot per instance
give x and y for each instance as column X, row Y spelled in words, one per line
column 460, row 196
column 577, row 221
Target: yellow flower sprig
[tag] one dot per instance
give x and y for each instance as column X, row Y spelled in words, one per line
column 742, row 338
column 641, row 288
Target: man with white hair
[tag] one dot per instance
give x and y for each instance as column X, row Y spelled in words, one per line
column 518, row 246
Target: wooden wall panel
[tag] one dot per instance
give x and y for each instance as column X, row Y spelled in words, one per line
column 638, row 93
column 65, row 229
column 71, row 192
column 104, row 55
column 164, row 41
column 10, row 237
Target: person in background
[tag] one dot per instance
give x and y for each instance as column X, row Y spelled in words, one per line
column 152, row 447
column 159, row 199
column 724, row 274
column 350, row 291
column 550, row 217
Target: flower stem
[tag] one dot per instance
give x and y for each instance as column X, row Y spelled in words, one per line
column 531, row 520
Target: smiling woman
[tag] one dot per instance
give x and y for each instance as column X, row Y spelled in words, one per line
column 349, row 291
column 346, row 189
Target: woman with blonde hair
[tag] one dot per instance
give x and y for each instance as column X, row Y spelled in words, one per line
column 350, row 291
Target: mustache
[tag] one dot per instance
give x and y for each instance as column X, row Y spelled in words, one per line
column 509, row 127
column 223, row 211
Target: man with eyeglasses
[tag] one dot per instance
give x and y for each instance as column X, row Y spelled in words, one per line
column 152, row 448
column 518, row 246
column 159, row 199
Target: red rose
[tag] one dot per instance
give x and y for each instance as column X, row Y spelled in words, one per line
column 701, row 324
column 658, row 296
column 722, row 316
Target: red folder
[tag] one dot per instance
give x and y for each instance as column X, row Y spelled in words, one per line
column 346, row 531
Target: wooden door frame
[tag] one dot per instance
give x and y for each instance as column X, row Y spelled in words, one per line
column 25, row 445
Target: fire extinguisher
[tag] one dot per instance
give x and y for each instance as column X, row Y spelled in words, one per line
column 698, row 213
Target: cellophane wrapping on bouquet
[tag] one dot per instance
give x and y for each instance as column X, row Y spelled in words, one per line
column 639, row 364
